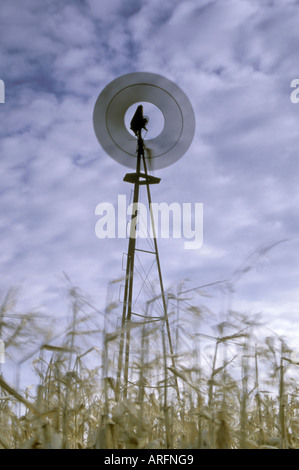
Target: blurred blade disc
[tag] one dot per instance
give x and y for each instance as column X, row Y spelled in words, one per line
column 111, row 107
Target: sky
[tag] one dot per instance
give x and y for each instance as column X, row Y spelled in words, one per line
column 235, row 60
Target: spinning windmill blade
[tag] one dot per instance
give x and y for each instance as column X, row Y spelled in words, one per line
column 123, row 92
column 149, row 154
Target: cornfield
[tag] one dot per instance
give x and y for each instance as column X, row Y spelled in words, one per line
column 230, row 384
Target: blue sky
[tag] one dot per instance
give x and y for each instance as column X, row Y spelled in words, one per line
column 235, row 60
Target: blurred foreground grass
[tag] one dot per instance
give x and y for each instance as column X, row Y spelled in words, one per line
column 234, row 383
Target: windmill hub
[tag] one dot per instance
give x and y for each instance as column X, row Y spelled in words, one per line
column 155, row 117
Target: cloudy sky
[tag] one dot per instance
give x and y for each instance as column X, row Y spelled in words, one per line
column 235, row 60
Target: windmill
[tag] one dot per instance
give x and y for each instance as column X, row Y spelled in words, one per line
column 157, row 153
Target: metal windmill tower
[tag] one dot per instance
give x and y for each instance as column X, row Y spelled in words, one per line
column 165, row 149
